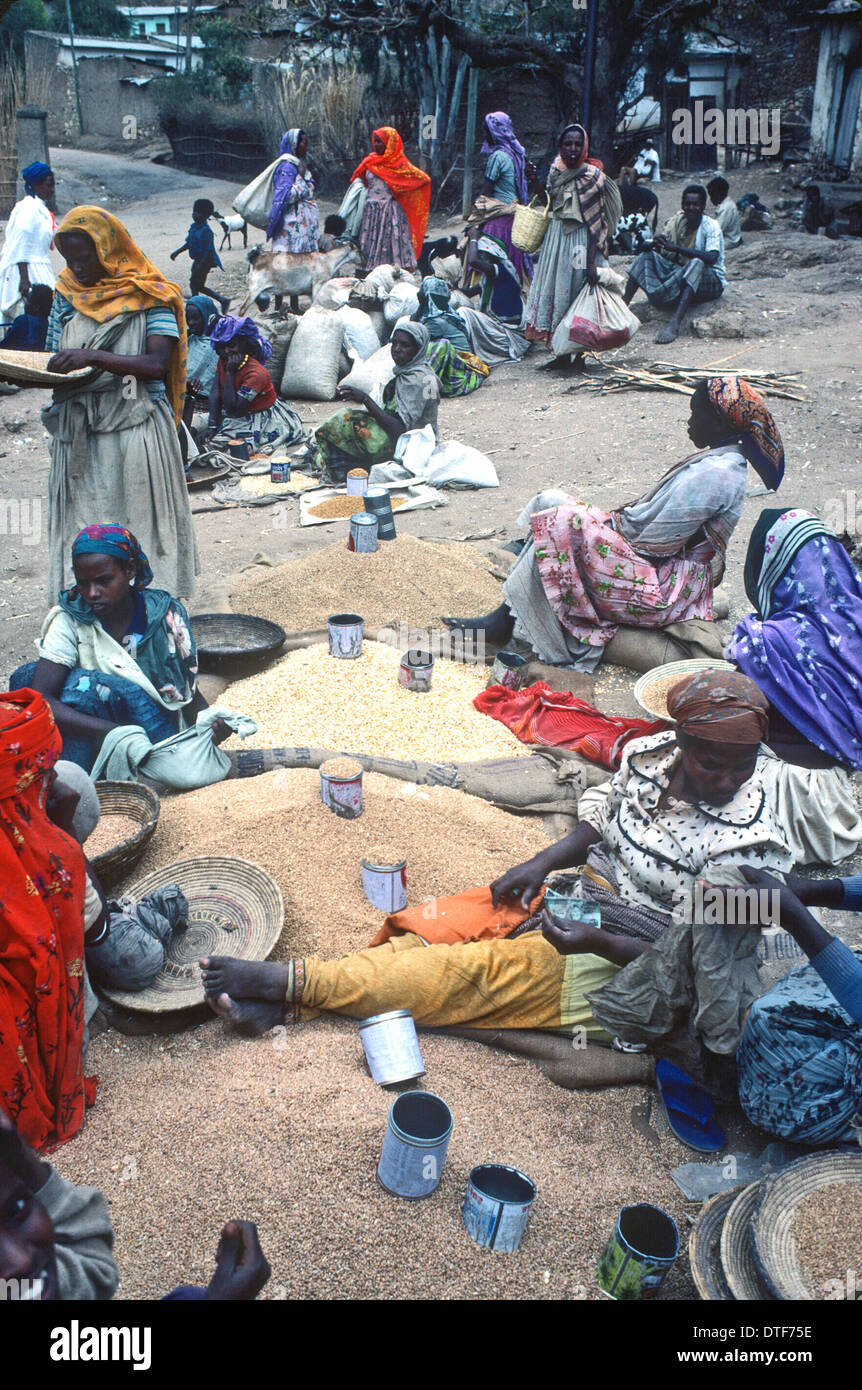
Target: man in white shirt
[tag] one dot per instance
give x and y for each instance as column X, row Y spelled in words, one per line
column 646, row 166
column 685, row 264
column 725, row 211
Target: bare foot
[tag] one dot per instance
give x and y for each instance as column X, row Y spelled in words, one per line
column 249, row 1018
column 245, row 979
column 668, row 334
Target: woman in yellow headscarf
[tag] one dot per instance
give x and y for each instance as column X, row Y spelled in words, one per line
column 115, row 449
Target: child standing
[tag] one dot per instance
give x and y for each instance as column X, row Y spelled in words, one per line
column 200, row 245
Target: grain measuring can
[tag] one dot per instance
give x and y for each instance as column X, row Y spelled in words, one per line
column 279, row 469
column 416, row 670
column 392, row 1047
column 379, row 503
column 345, row 635
column 385, row 884
column 506, row 670
column 239, row 449
column 497, row 1205
column 357, row 482
column 363, row 533
column 418, row 1130
column 341, row 787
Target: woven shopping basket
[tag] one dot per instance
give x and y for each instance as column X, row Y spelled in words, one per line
column 529, row 225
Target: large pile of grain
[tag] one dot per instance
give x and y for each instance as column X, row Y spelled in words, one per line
column 450, row 841
column 192, row 1130
column 312, row 698
column 405, row 580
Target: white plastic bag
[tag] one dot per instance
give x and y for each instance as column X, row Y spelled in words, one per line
column 598, row 320
column 452, row 464
column 360, row 336
column 372, row 374
column 254, row 201
column 352, row 207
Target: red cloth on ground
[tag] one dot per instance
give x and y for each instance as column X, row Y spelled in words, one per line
column 468, row 916
column 538, row 714
column 42, row 879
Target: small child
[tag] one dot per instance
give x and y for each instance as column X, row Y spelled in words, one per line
column 30, row 329
column 200, row 245
column 333, row 233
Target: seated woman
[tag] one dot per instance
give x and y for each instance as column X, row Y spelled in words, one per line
column 457, row 369
column 42, row 1081
column 113, row 650
column 650, row 563
column 202, row 360
column 410, row 400
column 685, row 804
column 243, row 402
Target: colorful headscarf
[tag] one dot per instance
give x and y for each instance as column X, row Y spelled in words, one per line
column 42, row 1086
column 231, row 327
column 719, row 707
column 131, row 285
column 438, row 315
column 747, row 412
column 501, row 136
column 585, row 157
column 776, row 537
column 35, row 173
column 206, row 308
column 410, row 186
column 585, row 192
column 118, row 541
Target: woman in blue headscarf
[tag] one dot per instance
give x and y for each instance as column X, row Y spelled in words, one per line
column 113, row 650
column 293, row 220
column 26, row 257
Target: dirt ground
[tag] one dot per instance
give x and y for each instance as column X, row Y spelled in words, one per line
column 796, row 301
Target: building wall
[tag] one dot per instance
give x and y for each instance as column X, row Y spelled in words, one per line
column 116, row 109
column 840, row 52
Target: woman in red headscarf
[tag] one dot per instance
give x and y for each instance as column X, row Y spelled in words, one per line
column 585, row 210
column 396, row 206
column 42, row 879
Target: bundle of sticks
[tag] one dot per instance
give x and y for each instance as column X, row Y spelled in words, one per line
column 667, row 376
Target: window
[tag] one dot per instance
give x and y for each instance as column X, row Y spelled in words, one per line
column 161, row 28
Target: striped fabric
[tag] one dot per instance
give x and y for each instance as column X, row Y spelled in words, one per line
column 160, row 319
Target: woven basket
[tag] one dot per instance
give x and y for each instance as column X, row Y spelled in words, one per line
column 737, row 1251
column 703, row 1248
column 529, row 225
column 235, row 909
column 775, row 1244
column 205, row 474
column 125, row 799
column 654, row 703
column 235, row 640
column 31, row 368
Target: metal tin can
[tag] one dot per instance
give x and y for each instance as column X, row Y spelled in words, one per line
column 392, row 1047
column 416, row 670
column 417, row 1137
column 363, row 533
column 636, row 1260
column 497, row 1205
column 506, row 669
column 357, row 482
column 341, row 793
column 385, row 885
column 239, row 449
column 379, row 503
column 279, row 469
column 345, row 635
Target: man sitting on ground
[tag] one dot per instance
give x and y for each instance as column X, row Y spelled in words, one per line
column 686, row 264
column 725, row 211
column 817, row 214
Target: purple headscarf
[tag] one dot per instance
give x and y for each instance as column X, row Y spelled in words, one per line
column 501, row 136
column 230, row 327
column 282, row 183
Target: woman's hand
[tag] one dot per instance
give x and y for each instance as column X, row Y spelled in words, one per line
column 350, row 393
column 569, row 938
column 71, row 360
column 242, row 1269
column 524, row 882
column 194, row 386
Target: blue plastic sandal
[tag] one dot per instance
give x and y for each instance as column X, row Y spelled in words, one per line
column 689, row 1109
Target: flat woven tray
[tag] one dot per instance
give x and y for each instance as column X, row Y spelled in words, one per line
column 775, row 1240
column 235, row 909
column 703, row 1248
column 30, row 368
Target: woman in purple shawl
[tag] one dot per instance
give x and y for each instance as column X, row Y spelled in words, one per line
column 803, row 644
column 293, row 221
column 506, row 173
